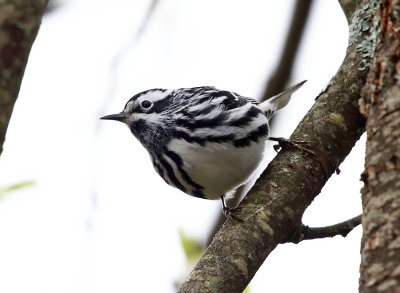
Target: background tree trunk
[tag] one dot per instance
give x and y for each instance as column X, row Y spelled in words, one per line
column 19, row 24
column 380, row 103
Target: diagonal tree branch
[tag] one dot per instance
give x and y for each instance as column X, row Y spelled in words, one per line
column 19, row 24
column 274, row 206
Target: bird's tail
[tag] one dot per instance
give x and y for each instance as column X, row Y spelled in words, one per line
column 279, row 101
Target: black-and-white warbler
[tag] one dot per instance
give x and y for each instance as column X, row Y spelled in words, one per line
column 202, row 140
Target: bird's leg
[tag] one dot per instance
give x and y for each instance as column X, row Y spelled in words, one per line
column 288, row 143
column 229, row 212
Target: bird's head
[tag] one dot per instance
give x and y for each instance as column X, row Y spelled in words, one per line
column 147, row 115
column 148, row 106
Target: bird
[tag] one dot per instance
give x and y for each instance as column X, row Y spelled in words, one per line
column 202, row 140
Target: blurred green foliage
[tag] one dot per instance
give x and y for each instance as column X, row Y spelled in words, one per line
column 15, row 187
column 192, row 248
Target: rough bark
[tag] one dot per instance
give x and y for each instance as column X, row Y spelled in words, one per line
column 19, row 24
column 380, row 103
column 273, row 208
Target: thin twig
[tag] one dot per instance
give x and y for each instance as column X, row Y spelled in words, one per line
column 343, row 228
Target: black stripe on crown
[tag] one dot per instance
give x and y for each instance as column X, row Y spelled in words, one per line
column 135, row 97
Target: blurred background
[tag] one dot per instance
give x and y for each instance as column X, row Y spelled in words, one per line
column 81, row 208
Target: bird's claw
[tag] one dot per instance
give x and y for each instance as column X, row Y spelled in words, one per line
column 230, row 213
column 297, row 144
column 289, row 143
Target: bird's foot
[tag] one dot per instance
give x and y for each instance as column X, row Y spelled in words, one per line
column 230, row 212
column 288, row 143
column 297, row 144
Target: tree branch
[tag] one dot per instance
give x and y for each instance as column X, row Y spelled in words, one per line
column 273, row 208
column 19, row 24
column 306, row 233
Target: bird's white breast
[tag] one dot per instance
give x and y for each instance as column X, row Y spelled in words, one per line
column 218, row 167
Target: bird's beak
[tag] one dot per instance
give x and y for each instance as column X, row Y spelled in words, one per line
column 118, row 117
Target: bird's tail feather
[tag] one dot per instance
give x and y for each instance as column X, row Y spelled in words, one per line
column 279, row 101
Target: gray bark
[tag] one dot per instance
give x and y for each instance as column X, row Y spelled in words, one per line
column 380, row 103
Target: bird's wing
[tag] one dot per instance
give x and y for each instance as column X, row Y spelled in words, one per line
column 212, row 115
column 204, row 98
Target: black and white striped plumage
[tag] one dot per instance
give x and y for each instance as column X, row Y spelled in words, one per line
column 203, row 141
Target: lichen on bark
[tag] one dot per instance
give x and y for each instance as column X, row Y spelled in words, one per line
column 380, row 103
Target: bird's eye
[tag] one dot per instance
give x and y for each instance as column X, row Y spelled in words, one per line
column 146, row 104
